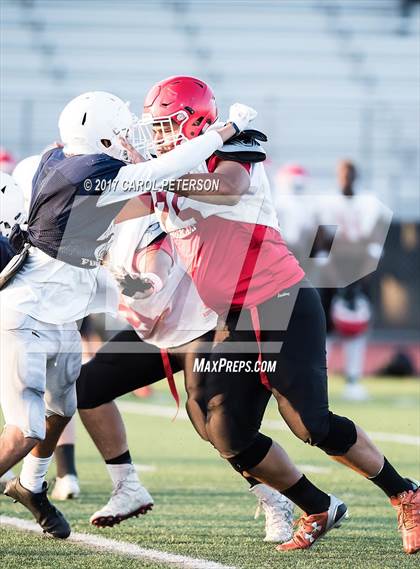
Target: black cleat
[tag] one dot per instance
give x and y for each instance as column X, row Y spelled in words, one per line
column 49, row 518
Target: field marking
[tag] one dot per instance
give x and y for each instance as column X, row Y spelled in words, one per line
column 152, row 410
column 121, row 547
column 145, row 468
column 314, row 469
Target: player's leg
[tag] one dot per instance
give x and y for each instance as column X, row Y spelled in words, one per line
column 66, row 484
column 250, row 452
column 13, row 447
column 22, row 386
column 300, row 386
column 257, row 455
column 4, row 478
column 107, row 376
column 55, row 372
column 277, row 509
column 354, row 358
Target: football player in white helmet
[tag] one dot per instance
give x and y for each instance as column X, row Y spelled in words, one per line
column 77, row 192
column 12, row 204
column 12, row 211
column 23, row 175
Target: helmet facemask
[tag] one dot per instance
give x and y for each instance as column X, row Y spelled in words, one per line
column 113, row 146
column 165, row 132
column 140, row 137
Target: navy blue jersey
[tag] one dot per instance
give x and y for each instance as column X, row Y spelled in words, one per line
column 64, row 220
column 6, row 251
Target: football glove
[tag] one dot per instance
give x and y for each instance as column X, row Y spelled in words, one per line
column 241, row 115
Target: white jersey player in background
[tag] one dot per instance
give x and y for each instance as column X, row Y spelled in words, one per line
column 349, row 310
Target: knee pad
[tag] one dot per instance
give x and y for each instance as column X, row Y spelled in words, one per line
column 252, row 455
column 341, row 436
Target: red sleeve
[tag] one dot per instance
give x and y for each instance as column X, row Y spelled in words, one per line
column 214, row 161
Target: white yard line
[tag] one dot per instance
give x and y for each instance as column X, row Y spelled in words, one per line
column 151, row 410
column 314, row 469
column 121, row 547
column 145, row 468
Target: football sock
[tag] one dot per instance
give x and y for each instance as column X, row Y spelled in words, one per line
column 64, row 460
column 124, row 458
column 390, row 481
column 308, row 497
column 33, row 472
column 121, row 469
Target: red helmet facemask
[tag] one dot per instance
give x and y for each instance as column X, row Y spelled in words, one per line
column 178, row 109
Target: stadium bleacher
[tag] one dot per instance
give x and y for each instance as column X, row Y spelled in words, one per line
column 329, row 78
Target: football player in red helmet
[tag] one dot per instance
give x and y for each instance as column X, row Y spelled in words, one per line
column 243, row 269
column 180, row 108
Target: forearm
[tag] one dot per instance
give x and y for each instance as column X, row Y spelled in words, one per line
column 140, row 206
column 214, row 188
column 135, row 179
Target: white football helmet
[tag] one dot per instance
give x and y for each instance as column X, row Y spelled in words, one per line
column 23, row 175
column 92, row 123
column 12, row 205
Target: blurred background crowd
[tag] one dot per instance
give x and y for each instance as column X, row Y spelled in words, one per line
column 337, row 87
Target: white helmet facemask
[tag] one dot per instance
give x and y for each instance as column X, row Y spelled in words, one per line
column 94, row 122
column 163, row 132
column 12, row 206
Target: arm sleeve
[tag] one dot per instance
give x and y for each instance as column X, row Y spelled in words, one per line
column 135, row 179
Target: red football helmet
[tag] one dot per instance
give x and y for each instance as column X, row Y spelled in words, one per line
column 351, row 320
column 7, row 161
column 181, row 107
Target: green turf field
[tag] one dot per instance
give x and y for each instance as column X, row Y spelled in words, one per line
column 204, row 510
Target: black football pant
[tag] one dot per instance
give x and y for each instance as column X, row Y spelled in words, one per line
column 125, row 363
column 293, row 332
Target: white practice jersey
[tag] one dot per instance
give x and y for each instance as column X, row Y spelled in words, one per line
column 296, row 216
column 171, row 317
column 179, row 213
column 53, row 291
column 356, row 216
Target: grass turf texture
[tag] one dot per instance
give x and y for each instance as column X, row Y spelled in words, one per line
column 204, row 510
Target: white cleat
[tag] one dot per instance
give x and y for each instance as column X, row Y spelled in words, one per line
column 66, row 488
column 278, row 511
column 355, row 392
column 5, row 479
column 128, row 499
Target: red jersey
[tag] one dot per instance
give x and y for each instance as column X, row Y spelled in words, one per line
column 235, row 263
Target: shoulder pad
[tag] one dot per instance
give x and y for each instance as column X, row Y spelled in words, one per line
column 244, row 147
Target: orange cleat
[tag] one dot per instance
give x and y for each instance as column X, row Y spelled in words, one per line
column 407, row 505
column 312, row 527
column 143, row 392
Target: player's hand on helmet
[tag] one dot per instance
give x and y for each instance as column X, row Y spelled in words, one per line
column 241, row 115
column 134, row 156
